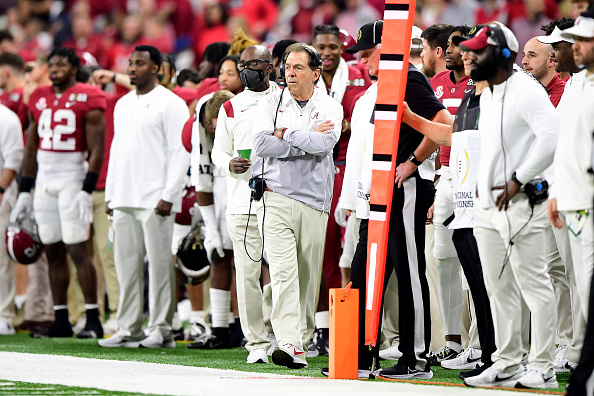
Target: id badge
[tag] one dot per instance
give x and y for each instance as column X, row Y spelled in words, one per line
column 578, row 221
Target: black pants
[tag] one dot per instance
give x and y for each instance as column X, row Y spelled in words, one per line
column 585, row 367
column 406, row 255
column 468, row 254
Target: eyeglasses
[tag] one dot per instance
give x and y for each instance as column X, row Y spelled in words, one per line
column 251, row 64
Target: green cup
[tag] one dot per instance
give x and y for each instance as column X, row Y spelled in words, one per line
column 245, row 153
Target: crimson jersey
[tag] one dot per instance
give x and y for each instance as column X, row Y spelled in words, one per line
column 61, row 120
column 356, row 87
column 14, row 101
column 450, row 94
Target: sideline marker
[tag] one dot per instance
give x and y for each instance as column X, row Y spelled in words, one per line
column 344, row 333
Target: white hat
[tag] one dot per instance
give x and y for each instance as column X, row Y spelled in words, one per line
column 416, row 42
column 583, row 27
column 555, row 37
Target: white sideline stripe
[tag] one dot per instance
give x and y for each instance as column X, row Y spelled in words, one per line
column 386, row 115
column 381, row 165
column 377, row 216
column 371, row 278
column 390, row 65
column 169, row 379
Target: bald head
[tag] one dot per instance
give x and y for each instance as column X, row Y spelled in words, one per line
column 537, row 60
column 255, row 65
column 256, row 52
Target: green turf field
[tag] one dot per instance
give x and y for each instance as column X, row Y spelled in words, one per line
column 14, row 388
column 231, row 359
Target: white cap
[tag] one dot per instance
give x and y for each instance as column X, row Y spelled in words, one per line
column 555, row 37
column 416, row 42
column 510, row 37
column 583, row 27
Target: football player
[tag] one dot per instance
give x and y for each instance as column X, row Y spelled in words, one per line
column 64, row 151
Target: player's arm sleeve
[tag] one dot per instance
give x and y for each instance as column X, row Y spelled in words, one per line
column 318, row 143
column 174, row 119
column 11, row 141
column 113, row 154
column 265, row 143
column 96, row 100
column 222, row 150
column 538, row 112
column 201, row 174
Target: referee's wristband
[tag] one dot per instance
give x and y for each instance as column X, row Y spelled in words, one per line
column 515, row 179
column 412, row 158
column 2, row 190
column 90, row 182
column 27, row 184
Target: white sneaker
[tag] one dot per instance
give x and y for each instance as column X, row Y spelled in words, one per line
column 111, row 326
column 196, row 330
column 560, row 361
column 273, row 344
column 257, row 356
column 290, row 356
column 312, row 350
column 492, row 378
column 118, row 341
column 80, row 325
column 392, row 353
column 466, row 361
column 156, row 341
column 6, row 328
column 536, row 379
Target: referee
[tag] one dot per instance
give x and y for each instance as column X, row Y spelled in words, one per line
column 412, row 198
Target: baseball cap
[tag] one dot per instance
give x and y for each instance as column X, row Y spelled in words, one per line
column 369, row 36
column 583, row 27
column 485, row 37
column 416, row 42
column 555, row 37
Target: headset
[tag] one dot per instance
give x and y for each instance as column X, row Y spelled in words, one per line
column 314, row 57
column 502, row 53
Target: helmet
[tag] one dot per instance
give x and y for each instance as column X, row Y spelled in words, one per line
column 192, row 262
column 22, row 240
column 188, row 207
column 87, row 59
column 347, row 41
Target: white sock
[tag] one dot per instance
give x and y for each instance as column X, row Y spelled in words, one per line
column 197, row 317
column 454, row 345
column 231, row 318
column 220, row 300
column 323, row 320
column 176, row 324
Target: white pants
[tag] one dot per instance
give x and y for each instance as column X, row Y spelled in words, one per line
column 449, row 282
column 7, row 280
column 582, row 253
column 525, row 276
column 247, row 279
column 294, row 236
column 57, row 219
column 140, row 232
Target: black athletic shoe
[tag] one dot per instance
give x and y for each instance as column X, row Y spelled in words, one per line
column 178, row 335
column 445, row 353
column 93, row 329
column 402, row 371
column 322, row 341
column 211, row 341
column 476, row 371
column 55, row 330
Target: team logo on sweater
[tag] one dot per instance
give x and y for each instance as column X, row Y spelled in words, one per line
column 462, row 165
column 41, row 104
column 439, row 92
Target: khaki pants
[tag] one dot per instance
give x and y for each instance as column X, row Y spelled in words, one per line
column 247, row 278
column 294, row 236
column 7, row 280
column 525, row 276
column 139, row 232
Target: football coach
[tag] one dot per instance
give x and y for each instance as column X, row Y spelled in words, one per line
column 294, row 171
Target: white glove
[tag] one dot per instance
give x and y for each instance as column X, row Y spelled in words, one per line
column 340, row 216
column 84, row 202
column 23, row 204
column 212, row 241
column 212, row 236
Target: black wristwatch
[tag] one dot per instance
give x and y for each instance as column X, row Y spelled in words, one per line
column 2, row 191
column 412, row 158
column 515, row 179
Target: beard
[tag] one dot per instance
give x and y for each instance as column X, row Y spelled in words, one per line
column 483, row 72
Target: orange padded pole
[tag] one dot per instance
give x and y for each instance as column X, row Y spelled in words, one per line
column 344, row 333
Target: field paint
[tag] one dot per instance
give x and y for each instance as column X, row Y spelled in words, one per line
column 167, row 379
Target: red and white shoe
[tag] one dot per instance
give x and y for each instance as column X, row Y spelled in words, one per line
column 290, row 356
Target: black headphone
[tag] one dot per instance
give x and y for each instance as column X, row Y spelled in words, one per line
column 502, row 52
column 314, row 55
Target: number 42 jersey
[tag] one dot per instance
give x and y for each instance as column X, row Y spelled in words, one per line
column 62, row 151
